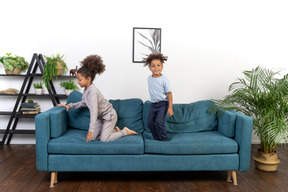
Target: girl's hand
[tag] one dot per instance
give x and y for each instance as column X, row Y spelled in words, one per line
column 170, row 111
column 67, row 106
column 89, row 136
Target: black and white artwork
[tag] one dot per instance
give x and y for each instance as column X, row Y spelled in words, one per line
column 145, row 42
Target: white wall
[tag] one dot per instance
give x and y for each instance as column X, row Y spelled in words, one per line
column 209, row 43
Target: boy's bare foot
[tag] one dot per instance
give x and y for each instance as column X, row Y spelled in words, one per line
column 117, row 129
column 130, row 132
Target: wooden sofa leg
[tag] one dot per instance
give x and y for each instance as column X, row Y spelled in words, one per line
column 234, row 177
column 53, row 176
column 56, row 178
column 229, row 177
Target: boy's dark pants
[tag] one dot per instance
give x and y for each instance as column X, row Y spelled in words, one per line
column 156, row 119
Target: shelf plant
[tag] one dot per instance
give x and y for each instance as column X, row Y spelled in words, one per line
column 264, row 97
column 53, row 67
column 38, row 85
column 38, row 88
column 14, row 65
column 69, row 86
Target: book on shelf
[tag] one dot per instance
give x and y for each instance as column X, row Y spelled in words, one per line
column 30, row 112
column 31, row 105
column 30, row 108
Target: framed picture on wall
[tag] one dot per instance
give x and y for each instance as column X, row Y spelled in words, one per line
column 145, row 42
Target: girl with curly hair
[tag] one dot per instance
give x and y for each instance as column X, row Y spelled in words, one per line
column 103, row 117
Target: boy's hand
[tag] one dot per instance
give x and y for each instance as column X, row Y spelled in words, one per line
column 89, row 136
column 67, row 106
column 170, row 112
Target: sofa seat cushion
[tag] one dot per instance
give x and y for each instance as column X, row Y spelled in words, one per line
column 209, row 142
column 73, row 141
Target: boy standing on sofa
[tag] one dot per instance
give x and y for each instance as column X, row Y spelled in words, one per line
column 160, row 95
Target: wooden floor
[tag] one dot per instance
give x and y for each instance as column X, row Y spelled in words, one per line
column 18, row 173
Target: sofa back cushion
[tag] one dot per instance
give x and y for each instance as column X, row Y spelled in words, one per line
column 187, row 118
column 78, row 118
column 129, row 113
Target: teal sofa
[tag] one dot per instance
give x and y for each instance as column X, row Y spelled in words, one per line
column 197, row 140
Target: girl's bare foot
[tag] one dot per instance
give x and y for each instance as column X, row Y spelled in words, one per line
column 117, row 129
column 130, row 132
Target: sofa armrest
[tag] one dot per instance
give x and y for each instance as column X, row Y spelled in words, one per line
column 226, row 123
column 43, row 125
column 58, row 119
column 243, row 134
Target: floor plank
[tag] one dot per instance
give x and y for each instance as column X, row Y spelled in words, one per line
column 13, row 164
column 8, row 152
column 19, row 173
column 36, row 181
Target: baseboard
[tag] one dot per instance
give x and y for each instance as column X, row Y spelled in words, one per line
column 255, row 141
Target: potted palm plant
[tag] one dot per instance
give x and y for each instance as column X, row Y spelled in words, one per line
column 265, row 98
column 53, row 67
column 13, row 65
column 38, row 88
column 69, row 86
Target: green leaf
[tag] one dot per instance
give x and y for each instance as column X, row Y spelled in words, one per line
column 69, row 85
column 10, row 62
column 50, row 68
column 265, row 98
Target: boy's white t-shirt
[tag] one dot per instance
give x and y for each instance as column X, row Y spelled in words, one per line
column 158, row 88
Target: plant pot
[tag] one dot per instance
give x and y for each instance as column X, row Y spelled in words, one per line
column 59, row 68
column 68, row 91
column 38, row 91
column 266, row 162
column 15, row 71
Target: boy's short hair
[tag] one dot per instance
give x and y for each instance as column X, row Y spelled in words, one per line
column 153, row 56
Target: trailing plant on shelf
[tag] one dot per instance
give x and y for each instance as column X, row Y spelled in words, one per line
column 53, row 67
column 14, row 65
column 265, row 98
column 69, row 86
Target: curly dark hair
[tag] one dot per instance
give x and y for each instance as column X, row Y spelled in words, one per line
column 91, row 65
column 153, row 56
